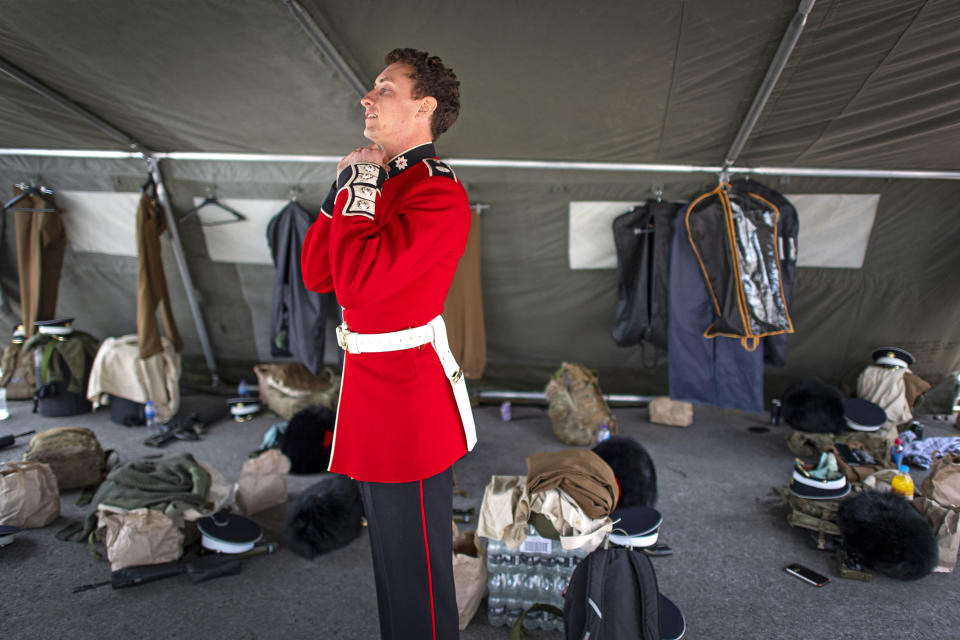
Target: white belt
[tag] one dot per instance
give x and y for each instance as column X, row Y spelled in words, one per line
column 434, row 332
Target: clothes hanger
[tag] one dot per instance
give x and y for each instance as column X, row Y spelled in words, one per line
column 294, row 194
column 32, row 189
column 211, row 199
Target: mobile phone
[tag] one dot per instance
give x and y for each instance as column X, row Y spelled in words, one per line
column 846, row 453
column 807, row 575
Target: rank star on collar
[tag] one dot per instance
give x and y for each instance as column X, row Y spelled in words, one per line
column 400, row 163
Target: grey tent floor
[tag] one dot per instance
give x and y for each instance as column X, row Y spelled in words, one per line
column 729, row 535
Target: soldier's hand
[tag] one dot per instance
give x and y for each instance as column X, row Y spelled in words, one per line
column 371, row 153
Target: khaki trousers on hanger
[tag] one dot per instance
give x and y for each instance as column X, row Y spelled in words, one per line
column 463, row 308
column 41, row 243
column 151, row 282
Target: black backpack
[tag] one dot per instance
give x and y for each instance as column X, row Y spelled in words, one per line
column 613, row 594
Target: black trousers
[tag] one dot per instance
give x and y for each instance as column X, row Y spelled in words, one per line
column 412, row 546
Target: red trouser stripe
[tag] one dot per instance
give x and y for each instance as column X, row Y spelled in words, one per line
column 426, row 546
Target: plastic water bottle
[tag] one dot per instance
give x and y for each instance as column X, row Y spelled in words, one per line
column 532, row 585
column 496, row 602
column 902, row 483
column 150, row 414
column 552, row 576
column 604, row 433
column 896, row 452
column 242, row 390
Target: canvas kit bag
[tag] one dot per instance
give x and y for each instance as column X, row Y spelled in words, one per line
column 289, row 387
column 939, row 502
column 73, row 453
column 576, row 405
column 29, row 498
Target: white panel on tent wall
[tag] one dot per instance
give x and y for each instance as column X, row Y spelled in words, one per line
column 100, row 221
column 591, row 233
column 834, row 228
column 244, row 241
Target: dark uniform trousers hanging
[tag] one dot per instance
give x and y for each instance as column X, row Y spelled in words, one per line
column 411, row 543
column 41, row 243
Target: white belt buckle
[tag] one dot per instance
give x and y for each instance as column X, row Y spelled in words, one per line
column 342, row 334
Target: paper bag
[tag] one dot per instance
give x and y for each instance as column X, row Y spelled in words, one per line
column 469, row 576
column 263, row 482
column 138, row 537
column 29, row 497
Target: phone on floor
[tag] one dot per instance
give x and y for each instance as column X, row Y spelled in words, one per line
column 807, row 575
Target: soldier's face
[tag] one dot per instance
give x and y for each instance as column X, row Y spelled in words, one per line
column 390, row 109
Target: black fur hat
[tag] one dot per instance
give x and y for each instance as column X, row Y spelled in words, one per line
column 885, row 532
column 633, row 469
column 308, row 438
column 325, row 517
column 814, row 406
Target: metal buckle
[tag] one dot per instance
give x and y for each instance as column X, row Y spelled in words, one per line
column 342, row 337
column 456, row 376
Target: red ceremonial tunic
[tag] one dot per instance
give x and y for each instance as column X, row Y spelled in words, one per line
column 388, row 246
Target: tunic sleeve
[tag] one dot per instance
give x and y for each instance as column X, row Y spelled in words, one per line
column 315, row 255
column 373, row 261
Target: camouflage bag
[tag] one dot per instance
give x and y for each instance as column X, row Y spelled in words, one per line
column 73, row 453
column 816, row 515
column 576, row 405
column 289, row 387
column 17, row 372
column 877, row 443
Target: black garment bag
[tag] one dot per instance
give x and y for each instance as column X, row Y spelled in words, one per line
column 642, row 237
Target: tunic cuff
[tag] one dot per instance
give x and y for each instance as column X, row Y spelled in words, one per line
column 362, row 182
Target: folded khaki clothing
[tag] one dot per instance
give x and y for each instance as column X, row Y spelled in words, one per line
column 581, row 473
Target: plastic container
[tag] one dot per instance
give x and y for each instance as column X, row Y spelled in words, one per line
column 902, row 483
column 150, row 416
column 604, row 433
column 896, row 452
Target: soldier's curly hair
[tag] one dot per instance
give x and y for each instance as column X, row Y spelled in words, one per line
column 431, row 78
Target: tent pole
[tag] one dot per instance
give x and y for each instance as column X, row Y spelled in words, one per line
column 323, row 40
column 787, row 43
column 153, row 164
column 635, row 167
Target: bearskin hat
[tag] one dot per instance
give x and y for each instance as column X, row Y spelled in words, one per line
column 814, row 406
column 633, row 469
column 327, row 516
column 885, row 532
column 308, row 438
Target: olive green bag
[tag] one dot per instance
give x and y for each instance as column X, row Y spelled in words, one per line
column 73, row 453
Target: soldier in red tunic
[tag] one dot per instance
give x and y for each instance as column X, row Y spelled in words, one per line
column 387, row 243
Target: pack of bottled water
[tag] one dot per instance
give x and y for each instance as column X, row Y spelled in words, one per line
column 538, row 571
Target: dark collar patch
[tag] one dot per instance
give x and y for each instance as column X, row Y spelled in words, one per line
column 410, row 157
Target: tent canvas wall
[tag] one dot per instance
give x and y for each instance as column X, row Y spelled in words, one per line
column 871, row 84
